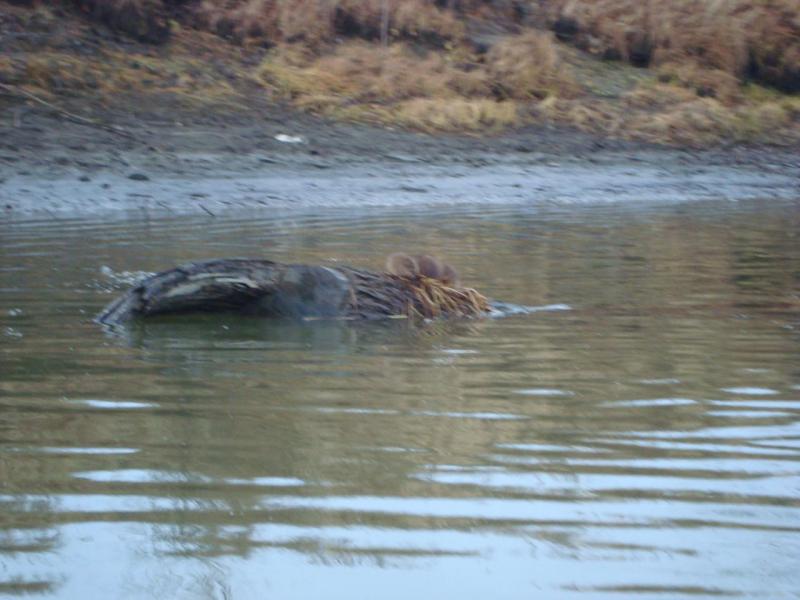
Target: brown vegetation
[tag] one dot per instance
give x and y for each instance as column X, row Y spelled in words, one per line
column 748, row 39
column 744, row 38
column 319, row 21
column 528, row 66
column 421, row 88
column 468, row 65
column 144, row 20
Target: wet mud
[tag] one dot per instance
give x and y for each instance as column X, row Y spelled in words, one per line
column 168, row 163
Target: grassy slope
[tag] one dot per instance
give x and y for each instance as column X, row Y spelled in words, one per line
column 414, row 65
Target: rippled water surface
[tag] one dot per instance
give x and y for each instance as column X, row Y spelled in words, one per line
column 644, row 443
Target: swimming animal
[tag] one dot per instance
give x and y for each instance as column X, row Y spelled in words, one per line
column 270, row 289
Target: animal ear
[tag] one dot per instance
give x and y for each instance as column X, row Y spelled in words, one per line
column 449, row 275
column 429, row 266
column 401, row 265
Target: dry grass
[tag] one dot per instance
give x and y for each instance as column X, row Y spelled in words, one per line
column 593, row 117
column 528, row 67
column 704, row 54
column 655, row 97
column 427, row 90
column 115, row 74
column 433, row 299
column 527, row 78
column 318, row 21
column 673, row 114
column 145, row 20
column 266, row 20
column 362, row 82
column 703, row 82
column 476, row 115
column 698, row 122
column 328, row 58
column 757, row 39
column 747, row 39
column 356, row 72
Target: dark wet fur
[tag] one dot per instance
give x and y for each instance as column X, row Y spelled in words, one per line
column 421, row 265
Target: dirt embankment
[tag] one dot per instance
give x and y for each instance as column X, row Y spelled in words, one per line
column 214, row 164
column 94, row 121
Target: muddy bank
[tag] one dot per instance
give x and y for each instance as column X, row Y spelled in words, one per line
column 174, row 162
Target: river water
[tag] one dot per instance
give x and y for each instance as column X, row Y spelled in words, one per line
column 637, row 437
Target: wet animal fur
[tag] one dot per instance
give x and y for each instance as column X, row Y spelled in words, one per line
column 450, row 276
column 421, row 265
column 428, row 266
column 402, row 265
column 258, row 287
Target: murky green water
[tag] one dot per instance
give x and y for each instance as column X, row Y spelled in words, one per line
column 644, row 444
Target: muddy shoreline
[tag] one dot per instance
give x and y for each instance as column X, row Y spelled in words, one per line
column 165, row 161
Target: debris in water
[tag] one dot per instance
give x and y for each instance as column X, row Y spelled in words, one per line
column 289, row 139
column 123, row 278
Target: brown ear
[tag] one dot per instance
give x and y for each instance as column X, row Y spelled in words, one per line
column 401, row 265
column 449, row 276
column 429, row 266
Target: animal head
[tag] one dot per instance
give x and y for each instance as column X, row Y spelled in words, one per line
column 421, row 265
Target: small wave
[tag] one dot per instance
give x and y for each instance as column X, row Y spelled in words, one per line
column 507, row 309
column 68, row 450
column 266, row 481
column 665, row 381
column 750, row 391
column 123, row 278
column 777, row 404
column 748, row 414
column 648, row 402
column 544, row 392
column 483, row 416
column 141, row 476
column 113, row 404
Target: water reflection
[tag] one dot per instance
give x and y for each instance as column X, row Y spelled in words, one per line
column 644, row 443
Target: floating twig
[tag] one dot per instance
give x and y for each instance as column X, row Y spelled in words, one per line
column 208, row 211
